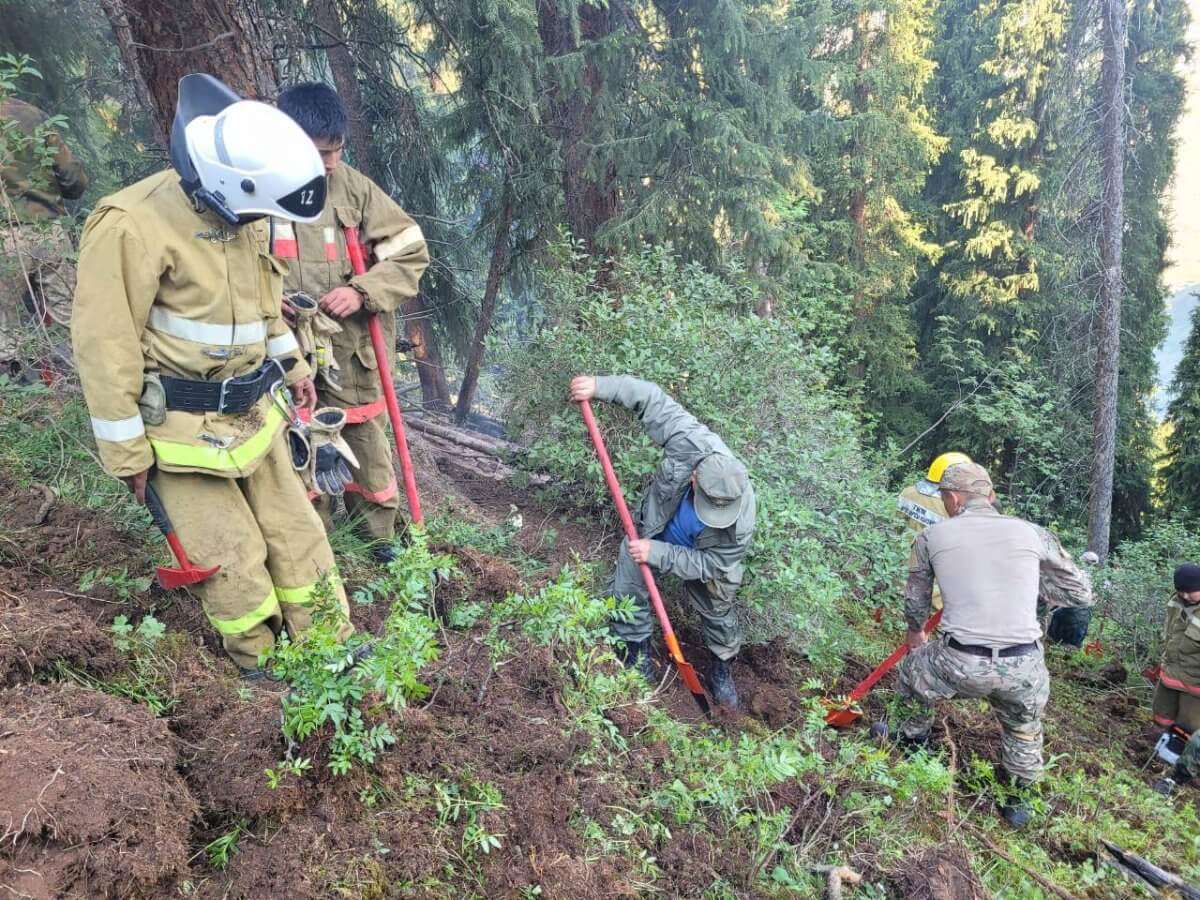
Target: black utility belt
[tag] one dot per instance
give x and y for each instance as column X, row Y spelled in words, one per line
column 233, row 395
column 980, row 650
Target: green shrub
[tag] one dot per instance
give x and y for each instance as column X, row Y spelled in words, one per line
column 826, row 526
column 1133, row 589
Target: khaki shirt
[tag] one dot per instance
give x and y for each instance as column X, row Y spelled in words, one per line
column 41, row 170
column 991, row 569
column 318, row 262
column 165, row 289
column 1181, row 653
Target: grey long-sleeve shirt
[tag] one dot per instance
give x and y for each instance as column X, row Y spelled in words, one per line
column 991, row 569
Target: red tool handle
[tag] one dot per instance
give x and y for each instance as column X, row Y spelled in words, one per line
column 158, row 513
column 884, row 667
column 358, row 263
column 686, row 671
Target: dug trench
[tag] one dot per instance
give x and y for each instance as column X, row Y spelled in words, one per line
column 101, row 798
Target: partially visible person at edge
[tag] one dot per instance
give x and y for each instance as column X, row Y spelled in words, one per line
column 1177, row 694
column 991, row 568
column 182, row 351
column 921, row 505
column 698, row 514
column 319, row 265
column 37, row 276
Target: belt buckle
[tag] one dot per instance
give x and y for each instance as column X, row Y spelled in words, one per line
column 224, row 392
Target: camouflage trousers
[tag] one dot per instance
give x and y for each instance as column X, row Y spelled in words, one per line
column 38, row 257
column 1017, row 687
column 722, row 633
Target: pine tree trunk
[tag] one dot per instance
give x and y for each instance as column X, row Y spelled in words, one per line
column 427, row 353
column 1108, row 319
column 589, row 202
column 162, row 40
column 466, row 393
column 332, row 37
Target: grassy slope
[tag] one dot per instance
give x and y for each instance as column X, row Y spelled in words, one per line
column 734, row 809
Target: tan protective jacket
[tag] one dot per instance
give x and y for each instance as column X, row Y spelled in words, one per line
column 318, row 263
column 1181, row 653
column 164, row 288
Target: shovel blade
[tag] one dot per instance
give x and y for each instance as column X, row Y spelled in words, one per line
column 176, row 578
column 842, row 718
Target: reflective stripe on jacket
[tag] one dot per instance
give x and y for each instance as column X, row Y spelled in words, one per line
column 318, row 263
column 165, row 289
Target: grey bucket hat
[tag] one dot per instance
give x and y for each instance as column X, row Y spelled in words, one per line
column 721, row 483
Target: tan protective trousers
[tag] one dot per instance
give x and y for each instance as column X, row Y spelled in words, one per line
column 373, row 497
column 264, row 534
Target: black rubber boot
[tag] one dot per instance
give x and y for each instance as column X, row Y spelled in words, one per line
column 1015, row 808
column 720, row 683
column 640, row 657
column 383, row 553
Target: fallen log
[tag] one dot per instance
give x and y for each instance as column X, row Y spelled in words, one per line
column 495, row 448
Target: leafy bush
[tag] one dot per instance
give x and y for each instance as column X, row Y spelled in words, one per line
column 826, row 526
column 1133, row 589
column 339, row 684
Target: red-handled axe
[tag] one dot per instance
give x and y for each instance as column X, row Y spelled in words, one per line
column 187, row 573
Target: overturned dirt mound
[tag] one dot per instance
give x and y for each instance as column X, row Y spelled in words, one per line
column 47, row 536
column 35, row 635
column 228, row 739
column 942, row 873
column 90, row 803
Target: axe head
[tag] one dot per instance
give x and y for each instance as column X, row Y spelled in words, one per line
column 171, row 578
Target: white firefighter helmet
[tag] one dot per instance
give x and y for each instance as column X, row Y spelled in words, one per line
column 243, row 159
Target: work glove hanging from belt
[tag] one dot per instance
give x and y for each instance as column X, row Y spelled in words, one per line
column 314, row 333
column 331, row 455
column 319, row 452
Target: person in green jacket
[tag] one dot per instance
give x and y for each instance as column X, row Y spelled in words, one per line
column 697, row 518
column 1177, row 696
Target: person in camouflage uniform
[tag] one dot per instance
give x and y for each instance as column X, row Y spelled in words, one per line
column 698, row 515
column 37, row 273
column 1177, row 694
column 319, row 265
column 991, row 569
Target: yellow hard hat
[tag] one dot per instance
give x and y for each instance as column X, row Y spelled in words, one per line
column 938, row 467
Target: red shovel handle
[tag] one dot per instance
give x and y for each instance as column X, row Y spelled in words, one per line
column 886, row 666
column 686, row 671
column 358, row 263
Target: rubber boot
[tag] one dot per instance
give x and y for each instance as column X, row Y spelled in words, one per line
column 383, row 553
column 1177, row 779
column 1015, row 808
column 640, row 657
column 720, row 683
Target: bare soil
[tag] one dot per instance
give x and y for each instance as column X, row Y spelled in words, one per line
column 90, row 800
column 99, row 799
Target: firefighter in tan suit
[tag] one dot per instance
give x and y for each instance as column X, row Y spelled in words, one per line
column 183, row 356
column 319, row 265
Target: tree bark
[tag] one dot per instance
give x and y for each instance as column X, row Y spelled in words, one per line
column 1107, row 327
column 160, row 41
column 589, row 203
column 427, row 353
column 332, row 37
column 466, row 393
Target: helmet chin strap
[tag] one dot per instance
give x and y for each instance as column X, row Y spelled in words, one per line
column 202, row 198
